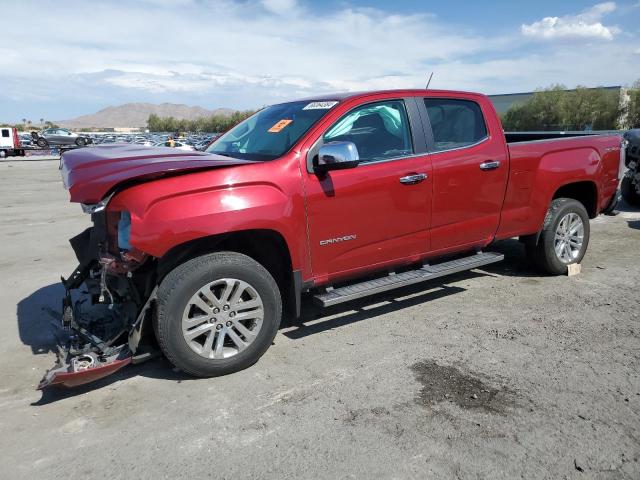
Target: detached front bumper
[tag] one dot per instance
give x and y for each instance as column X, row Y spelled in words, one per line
column 83, row 369
column 103, row 312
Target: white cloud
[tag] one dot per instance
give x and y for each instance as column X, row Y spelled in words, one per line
column 248, row 53
column 585, row 25
column 205, row 44
column 280, row 7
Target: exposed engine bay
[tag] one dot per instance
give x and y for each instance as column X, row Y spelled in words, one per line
column 107, row 299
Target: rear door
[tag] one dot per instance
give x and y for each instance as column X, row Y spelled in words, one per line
column 365, row 218
column 470, row 170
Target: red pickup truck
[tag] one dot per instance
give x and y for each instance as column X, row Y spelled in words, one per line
column 337, row 197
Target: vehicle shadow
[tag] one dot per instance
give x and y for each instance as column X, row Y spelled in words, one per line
column 35, row 315
column 38, row 311
column 311, row 321
column 515, row 262
column 158, row 368
column 626, row 208
column 623, row 206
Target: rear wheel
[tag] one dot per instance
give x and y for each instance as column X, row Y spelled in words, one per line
column 564, row 237
column 217, row 314
column 630, row 192
column 42, row 143
column 81, row 142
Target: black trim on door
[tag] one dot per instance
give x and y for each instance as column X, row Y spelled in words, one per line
column 416, row 126
column 426, row 124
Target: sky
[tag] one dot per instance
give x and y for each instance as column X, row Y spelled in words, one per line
column 64, row 58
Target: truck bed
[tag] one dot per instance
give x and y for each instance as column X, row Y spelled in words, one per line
column 519, row 137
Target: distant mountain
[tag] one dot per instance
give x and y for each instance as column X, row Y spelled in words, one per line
column 136, row 115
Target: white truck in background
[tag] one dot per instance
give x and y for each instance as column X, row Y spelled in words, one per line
column 10, row 143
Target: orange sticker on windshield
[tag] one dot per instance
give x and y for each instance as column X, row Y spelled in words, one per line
column 279, row 126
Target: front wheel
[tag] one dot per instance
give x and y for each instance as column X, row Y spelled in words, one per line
column 217, row 314
column 564, row 237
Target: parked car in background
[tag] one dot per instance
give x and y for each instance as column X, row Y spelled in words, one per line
column 25, row 140
column 10, row 145
column 59, row 137
column 176, row 144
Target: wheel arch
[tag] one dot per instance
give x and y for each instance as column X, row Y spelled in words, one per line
column 585, row 192
column 267, row 247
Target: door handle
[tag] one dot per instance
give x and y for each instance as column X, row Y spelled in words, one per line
column 413, row 178
column 491, row 165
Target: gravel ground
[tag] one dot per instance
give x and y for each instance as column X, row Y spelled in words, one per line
column 498, row 373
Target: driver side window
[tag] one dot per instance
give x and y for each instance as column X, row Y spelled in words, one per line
column 379, row 131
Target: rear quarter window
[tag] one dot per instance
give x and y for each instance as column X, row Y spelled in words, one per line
column 455, row 123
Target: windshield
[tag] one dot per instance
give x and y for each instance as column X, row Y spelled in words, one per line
column 271, row 132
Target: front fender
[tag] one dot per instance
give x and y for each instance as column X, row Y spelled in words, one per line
column 169, row 212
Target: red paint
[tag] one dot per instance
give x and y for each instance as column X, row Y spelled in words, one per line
column 91, row 173
column 458, row 207
column 73, row 379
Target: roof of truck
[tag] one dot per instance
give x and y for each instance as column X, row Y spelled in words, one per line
column 340, row 96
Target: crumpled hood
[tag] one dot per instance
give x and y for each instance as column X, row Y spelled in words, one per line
column 90, row 173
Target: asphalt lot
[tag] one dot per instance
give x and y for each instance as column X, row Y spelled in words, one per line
column 498, row 373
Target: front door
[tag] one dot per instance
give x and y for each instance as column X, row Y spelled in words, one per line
column 470, row 169
column 376, row 214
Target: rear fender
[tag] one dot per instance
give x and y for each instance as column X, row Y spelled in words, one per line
column 559, row 169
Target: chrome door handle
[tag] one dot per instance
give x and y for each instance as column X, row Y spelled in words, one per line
column 413, row 178
column 489, row 165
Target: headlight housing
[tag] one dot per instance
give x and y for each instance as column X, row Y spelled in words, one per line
column 124, row 231
column 96, row 207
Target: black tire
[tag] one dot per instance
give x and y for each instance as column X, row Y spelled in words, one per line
column 42, row 143
column 184, row 281
column 81, row 142
column 629, row 192
column 543, row 254
column 3, row 153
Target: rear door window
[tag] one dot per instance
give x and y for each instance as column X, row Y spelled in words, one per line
column 455, row 123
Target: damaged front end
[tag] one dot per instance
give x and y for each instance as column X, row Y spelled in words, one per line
column 107, row 299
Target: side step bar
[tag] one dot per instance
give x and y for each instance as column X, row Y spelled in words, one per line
column 390, row 282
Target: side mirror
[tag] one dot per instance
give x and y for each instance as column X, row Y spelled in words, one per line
column 336, row 156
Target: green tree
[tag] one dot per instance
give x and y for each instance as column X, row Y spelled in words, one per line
column 633, row 106
column 212, row 124
column 591, row 109
column 555, row 108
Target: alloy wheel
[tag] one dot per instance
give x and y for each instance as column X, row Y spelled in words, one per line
column 222, row 318
column 569, row 237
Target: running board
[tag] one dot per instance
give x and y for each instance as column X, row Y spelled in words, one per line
column 393, row 281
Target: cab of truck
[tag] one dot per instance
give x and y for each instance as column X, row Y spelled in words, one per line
column 10, row 145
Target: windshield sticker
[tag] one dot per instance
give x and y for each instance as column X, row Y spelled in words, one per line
column 279, row 125
column 319, row 105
